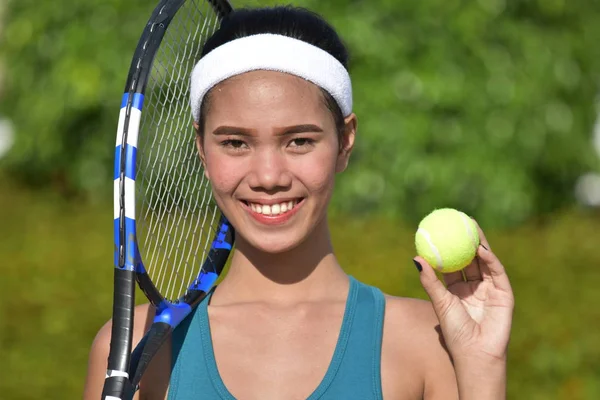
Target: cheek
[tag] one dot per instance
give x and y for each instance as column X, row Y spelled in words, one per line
column 223, row 171
column 317, row 172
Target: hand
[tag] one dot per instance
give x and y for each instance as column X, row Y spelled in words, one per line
column 475, row 312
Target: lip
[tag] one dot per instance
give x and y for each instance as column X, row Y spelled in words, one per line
column 270, row 202
column 272, row 219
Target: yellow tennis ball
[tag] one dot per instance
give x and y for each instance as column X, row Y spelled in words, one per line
column 447, row 239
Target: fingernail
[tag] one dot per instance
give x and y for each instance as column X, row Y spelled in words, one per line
column 419, row 267
column 484, row 247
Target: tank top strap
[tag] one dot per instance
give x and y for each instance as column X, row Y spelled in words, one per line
column 191, row 374
column 358, row 375
column 341, row 346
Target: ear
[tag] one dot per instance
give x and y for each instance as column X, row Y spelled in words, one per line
column 200, row 147
column 346, row 142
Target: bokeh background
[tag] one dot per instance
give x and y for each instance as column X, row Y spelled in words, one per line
column 490, row 106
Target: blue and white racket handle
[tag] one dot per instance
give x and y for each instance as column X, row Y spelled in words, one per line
column 126, row 255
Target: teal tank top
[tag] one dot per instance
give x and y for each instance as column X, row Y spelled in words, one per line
column 353, row 373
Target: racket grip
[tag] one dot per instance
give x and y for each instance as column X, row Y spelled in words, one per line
column 117, row 387
column 122, row 323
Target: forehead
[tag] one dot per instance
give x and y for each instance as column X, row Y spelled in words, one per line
column 266, row 95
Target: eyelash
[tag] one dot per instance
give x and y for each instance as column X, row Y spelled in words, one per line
column 240, row 145
column 307, row 141
column 229, row 143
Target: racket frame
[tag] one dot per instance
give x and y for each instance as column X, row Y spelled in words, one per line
column 124, row 369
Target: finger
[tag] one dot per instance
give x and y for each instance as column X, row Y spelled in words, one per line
column 482, row 238
column 434, row 288
column 473, row 271
column 492, row 269
column 452, row 278
column 490, row 266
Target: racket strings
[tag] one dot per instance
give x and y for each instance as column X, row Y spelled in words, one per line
column 174, row 253
column 176, row 218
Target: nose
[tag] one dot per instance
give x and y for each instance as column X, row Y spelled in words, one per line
column 269, row 171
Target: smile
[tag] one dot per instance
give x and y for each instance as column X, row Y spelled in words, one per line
column 269, row 211
column 273, row 209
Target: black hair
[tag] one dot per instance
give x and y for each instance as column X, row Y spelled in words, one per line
column 295, row 22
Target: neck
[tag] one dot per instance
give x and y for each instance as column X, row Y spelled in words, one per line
column 308, row 272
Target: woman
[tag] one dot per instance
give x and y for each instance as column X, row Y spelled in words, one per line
column 274, row 122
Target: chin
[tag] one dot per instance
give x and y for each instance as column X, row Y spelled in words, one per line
column 275, row 248
column 273, row 243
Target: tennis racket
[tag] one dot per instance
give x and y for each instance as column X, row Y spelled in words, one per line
column 170, row 236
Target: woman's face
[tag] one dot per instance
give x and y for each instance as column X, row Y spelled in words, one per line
column 271, row 152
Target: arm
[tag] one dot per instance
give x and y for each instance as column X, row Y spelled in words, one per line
column 97, row 363
column 481, row 380
column 98, row 359
column 475, row 317
column 415, row 361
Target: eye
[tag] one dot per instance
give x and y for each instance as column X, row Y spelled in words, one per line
column 233, row 144
column 301, row 142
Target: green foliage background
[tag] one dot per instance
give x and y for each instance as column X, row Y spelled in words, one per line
column 449, row 94
column 484, row 105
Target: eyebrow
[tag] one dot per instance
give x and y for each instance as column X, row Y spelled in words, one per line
column 288, row 130
column 232, row 130
column 299, row 129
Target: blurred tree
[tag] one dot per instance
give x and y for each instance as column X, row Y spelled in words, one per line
column 487, row 106
column 66, row 63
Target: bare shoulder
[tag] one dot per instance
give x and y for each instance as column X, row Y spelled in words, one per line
column 414, row 360
column 98, row 358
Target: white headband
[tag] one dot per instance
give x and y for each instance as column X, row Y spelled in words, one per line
column 273, row 53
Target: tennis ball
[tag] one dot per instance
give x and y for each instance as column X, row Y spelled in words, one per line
column 447, row 239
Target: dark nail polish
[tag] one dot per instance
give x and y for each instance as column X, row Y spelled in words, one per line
column 419, row 268
column 484, row 247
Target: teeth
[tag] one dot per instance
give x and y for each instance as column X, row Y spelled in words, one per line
column 274, row 209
